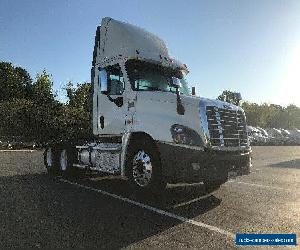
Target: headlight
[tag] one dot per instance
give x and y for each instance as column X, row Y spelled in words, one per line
column 184, row 135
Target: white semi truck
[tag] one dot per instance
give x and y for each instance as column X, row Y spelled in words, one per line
column 148, row 127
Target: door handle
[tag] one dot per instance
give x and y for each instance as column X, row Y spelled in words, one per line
column 102, row 121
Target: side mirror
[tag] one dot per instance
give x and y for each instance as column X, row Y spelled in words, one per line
column 102, row 81
column 176, row 82
column 193, row 91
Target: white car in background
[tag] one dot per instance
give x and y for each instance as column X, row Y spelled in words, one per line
column 273, row 136
column 264, row 134
column 256, row 136
column 276, row 136
column 294, row 136
column 287, row 136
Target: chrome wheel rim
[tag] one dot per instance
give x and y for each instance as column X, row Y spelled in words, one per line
column 63, row 160
column 49, row 157
column 142, row 168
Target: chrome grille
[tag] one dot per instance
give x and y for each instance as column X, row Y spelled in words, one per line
column 226, row 127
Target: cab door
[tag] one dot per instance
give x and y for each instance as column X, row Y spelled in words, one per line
column 111, row 101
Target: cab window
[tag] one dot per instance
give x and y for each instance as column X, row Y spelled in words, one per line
column 115, row 80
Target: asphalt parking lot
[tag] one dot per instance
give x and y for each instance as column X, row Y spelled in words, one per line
column 39, row 211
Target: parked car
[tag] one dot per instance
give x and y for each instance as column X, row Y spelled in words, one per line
column 273, row 136
column 276, row 137
column 295, row 136
column 18, row 142
column 263, row 131
column 3, row 144
column 288, row 139
column 263, row 135
column 256, row 136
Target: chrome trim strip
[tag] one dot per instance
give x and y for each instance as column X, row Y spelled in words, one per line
column 221, row 138
column 101, row 148
column 203, row 122
column 82, row 147
column 218, row 148
column 80, row 166
column 108, row 149
column 183, row 145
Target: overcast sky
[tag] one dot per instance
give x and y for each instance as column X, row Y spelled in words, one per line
column 247, row 46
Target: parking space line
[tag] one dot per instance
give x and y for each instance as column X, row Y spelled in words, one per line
column 191, row 201
column 17, row 150
column 155, row 210
column 258, row 185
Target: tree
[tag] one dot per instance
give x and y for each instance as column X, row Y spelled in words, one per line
column 293, row 116
column 80, row 96
column 78, row 110
column 266, row 115
column 272, row 115
column 16, row 117
column 28, row 108
column 42, row 87
column 230, row 97
column 15, row 82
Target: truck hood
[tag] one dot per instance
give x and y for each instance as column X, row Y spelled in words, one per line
column 195, row 100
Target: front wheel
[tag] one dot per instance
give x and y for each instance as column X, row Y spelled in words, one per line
column 144, row 167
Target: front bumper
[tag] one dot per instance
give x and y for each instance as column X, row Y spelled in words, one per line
column 188, row 164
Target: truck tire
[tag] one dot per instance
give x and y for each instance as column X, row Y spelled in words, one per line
column 144, row 167
column 66, row 160
column 50, row 160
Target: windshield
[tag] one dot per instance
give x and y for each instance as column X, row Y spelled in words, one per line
column 145, row 76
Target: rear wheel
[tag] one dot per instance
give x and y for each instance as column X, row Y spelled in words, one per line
column 50, row 160
column 144, row 167
column 66, row 160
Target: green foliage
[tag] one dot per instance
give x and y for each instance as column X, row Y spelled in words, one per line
column 79, row 97
column 30, row 119
column 229, row 96
column 29, row 109
column 78, row 110
column 15, row 82
column 272, row 116
column 15, row 115
column 266, row 115
column 76, row 123
column 42, row 87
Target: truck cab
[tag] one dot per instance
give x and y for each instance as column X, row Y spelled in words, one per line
column 148, row 128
